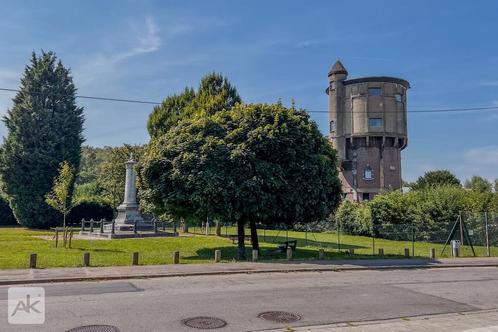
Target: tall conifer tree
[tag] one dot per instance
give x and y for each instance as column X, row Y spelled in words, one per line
column 44, row 129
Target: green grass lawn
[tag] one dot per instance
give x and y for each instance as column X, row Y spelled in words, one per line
column 17, row 243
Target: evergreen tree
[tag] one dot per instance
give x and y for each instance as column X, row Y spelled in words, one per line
column 44, row 129
column 215, row 93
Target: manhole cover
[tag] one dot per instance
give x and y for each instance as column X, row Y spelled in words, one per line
column 95, row 328
column 280, row 316
column 204, row 323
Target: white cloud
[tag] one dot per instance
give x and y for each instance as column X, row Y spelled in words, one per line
column 482, row 161
column 100, row 69
column 147, row 42
column 486, row 156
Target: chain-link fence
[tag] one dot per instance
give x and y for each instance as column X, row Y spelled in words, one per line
column 477, row 232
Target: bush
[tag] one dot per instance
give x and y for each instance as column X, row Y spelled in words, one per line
column 354, row 218
column 90, row 210
column 6, row 215
column 430, row 213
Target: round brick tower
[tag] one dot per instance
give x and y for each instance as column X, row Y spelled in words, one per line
column 368, row 128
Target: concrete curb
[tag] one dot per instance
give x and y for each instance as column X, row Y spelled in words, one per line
column 242, row 271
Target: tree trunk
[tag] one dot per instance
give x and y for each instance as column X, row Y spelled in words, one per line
column 241, row 241
column 184, row 225
column 254, row 236
column 218, row 227
column 64, row 241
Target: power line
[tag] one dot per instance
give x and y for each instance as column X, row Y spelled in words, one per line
column 96, row 98
column 135, row 101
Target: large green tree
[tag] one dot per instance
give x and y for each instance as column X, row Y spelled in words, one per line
column 167, row 115
column 215, row 93
column 253, row 163
column 436, row 178
column 112, row 173
column 44, row 128
column 479, row 184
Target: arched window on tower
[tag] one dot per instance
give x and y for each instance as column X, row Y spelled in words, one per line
column 332, row 126
column 368, row 173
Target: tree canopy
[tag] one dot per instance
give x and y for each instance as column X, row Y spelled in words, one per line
column 436, row 178
column 60, row 196
column 253, row 163
column 479, row 184
column 44, row 128
column 214, row 94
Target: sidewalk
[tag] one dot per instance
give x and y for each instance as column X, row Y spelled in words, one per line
column 27, row 276
column 474, row 321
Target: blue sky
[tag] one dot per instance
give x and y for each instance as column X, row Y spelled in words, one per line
column 448, row 50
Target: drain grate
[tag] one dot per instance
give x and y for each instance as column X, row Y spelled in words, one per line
column 95, row 328
column 280, row 316
column 204, row 323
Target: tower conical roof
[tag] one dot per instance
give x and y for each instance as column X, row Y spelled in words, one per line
column 338, row 68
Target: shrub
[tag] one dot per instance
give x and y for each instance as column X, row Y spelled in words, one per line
column 90, row 210
column 354, row 218
column 429, row 213
column 6, row 215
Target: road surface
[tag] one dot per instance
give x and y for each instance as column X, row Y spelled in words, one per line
column 320, row 298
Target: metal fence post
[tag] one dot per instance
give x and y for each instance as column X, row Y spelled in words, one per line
column 413, row 240
column 487, row 233
column 338, row 236
column 101, row 226
column 373, row 244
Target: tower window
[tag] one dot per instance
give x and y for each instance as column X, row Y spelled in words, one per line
column 375, row 122
column 398, row 97
column 368, row 173
column 332, row 126
column 365, row 196
column 374, row 91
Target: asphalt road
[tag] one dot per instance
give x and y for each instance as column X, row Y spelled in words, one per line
column 320, row 298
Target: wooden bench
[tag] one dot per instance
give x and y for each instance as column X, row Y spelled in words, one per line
column 284, row 245
column 235, row 238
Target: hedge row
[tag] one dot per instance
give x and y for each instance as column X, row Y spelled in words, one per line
column 84, row 210
column 428, row 213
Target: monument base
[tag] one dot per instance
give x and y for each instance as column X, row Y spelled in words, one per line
column 129, row 216
column 123, row 235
